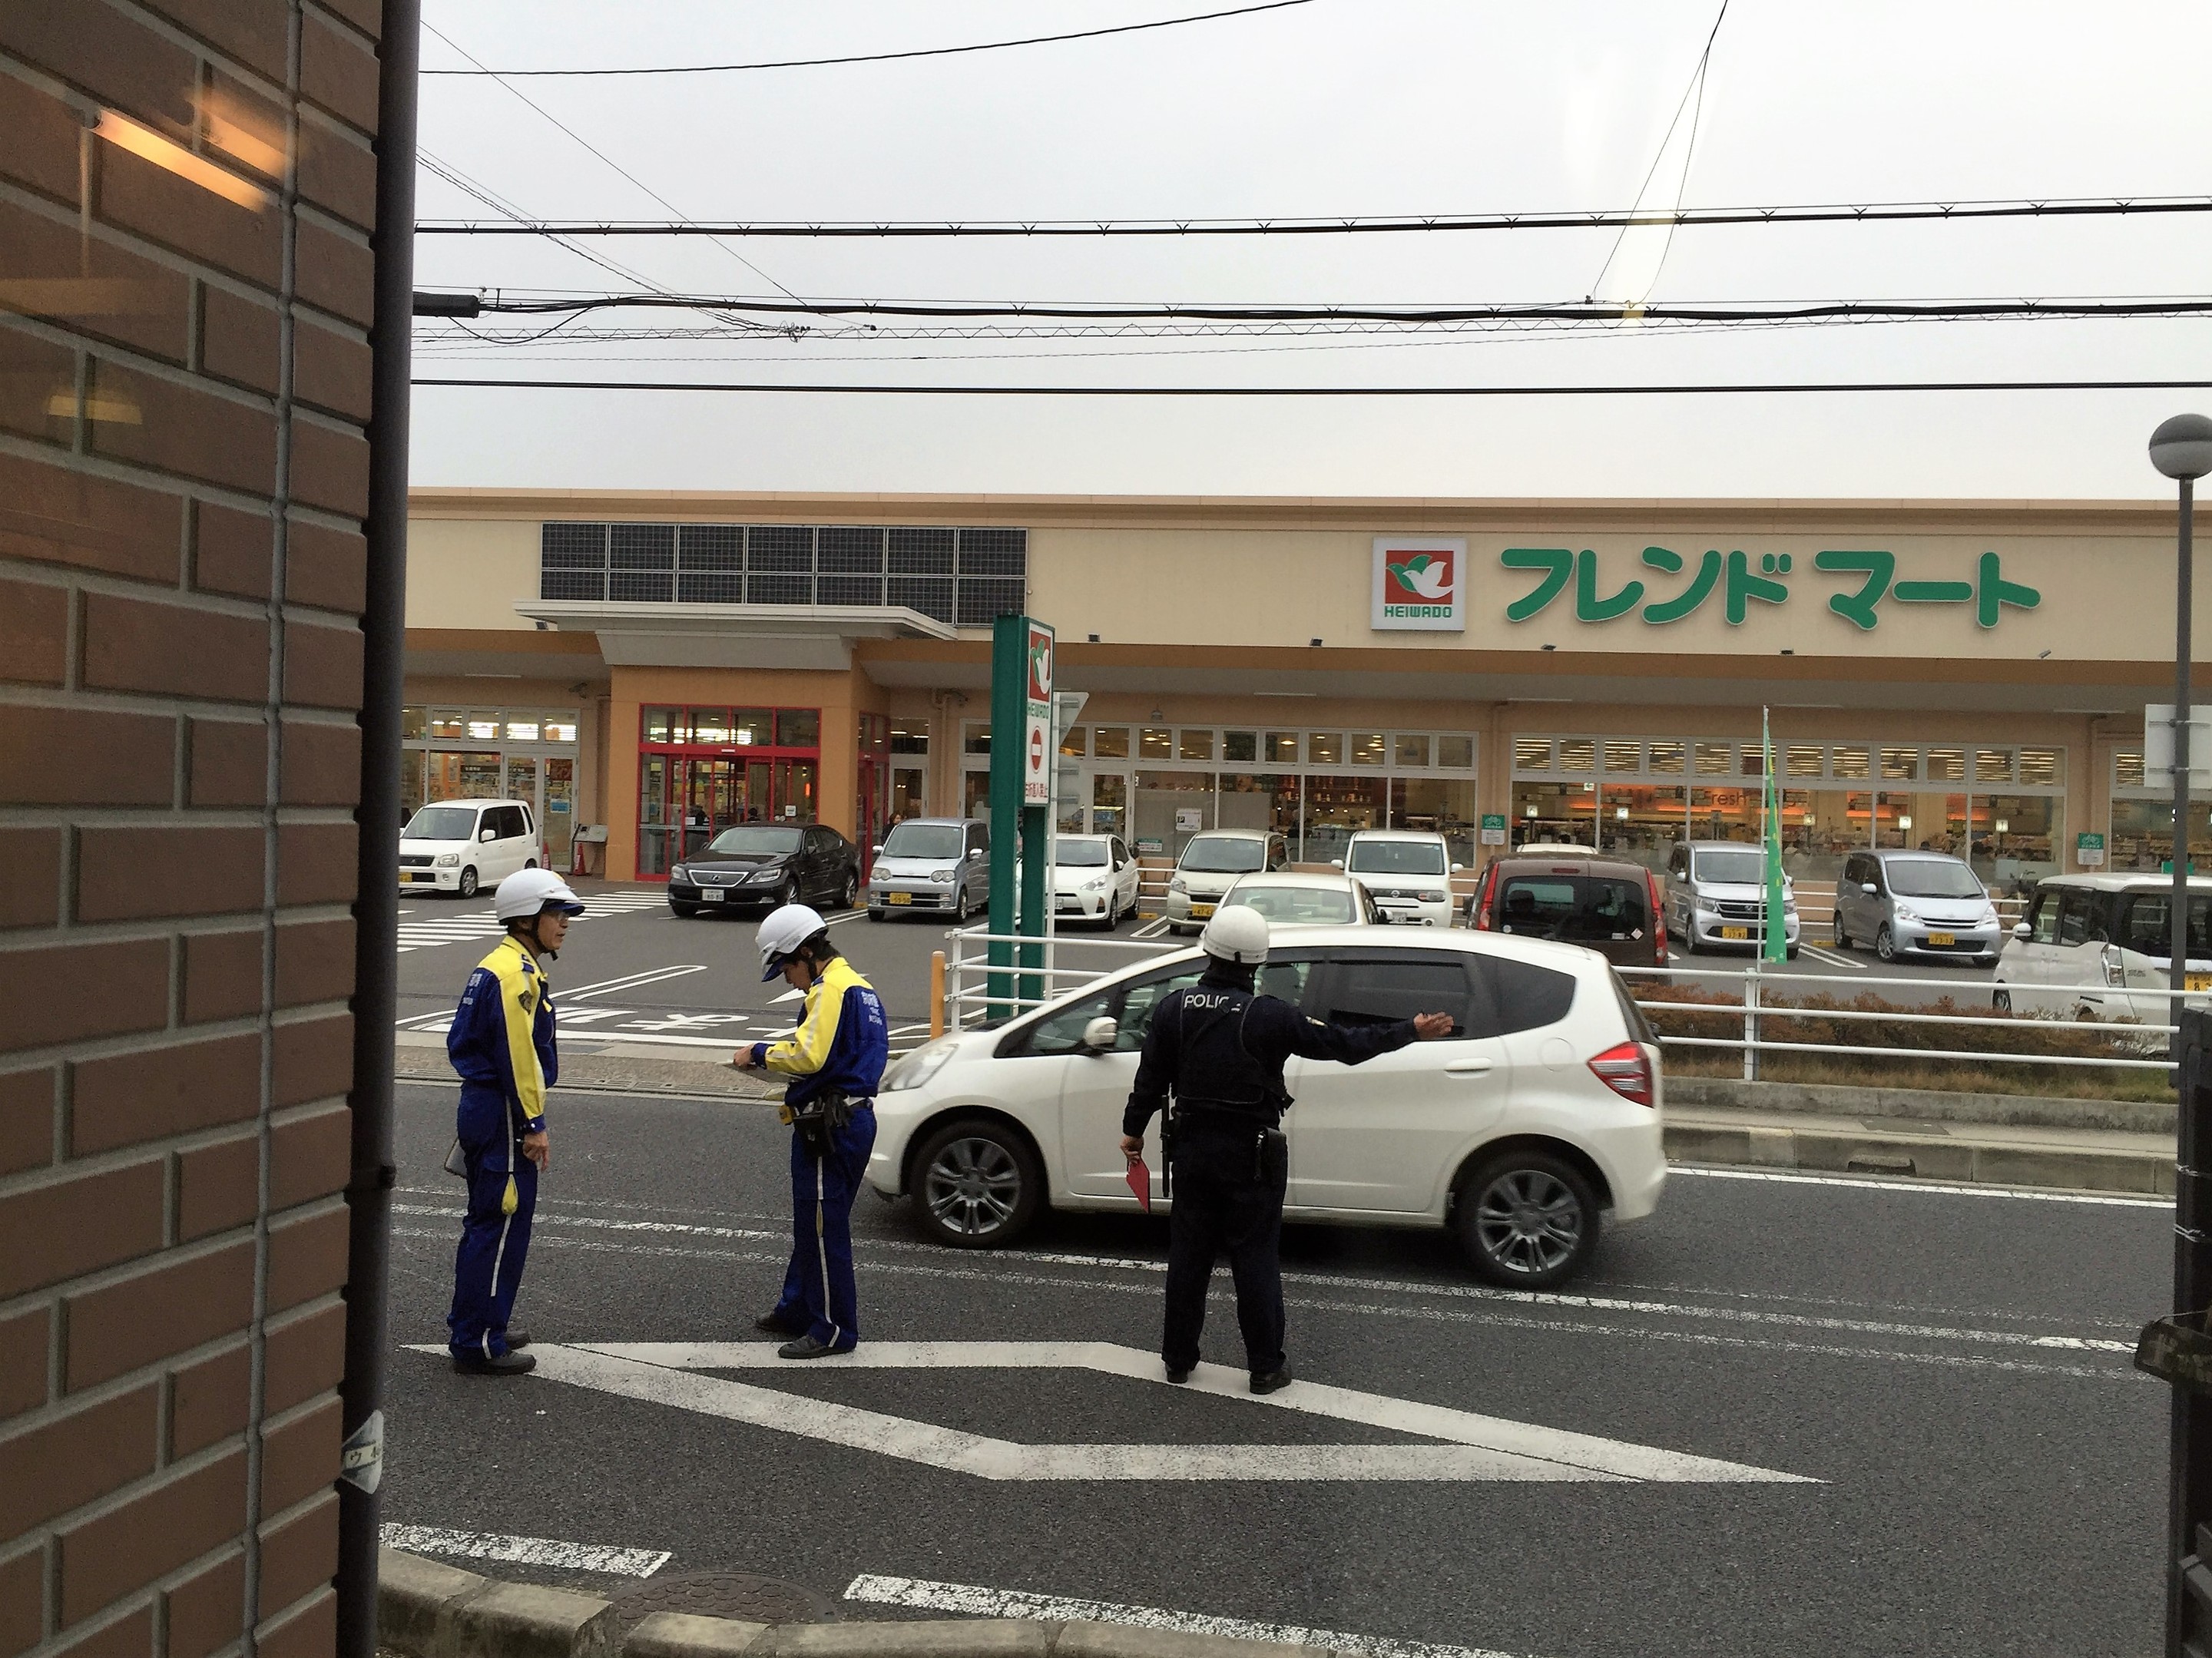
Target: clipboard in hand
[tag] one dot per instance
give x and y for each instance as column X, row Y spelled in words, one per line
column 1140, row 1182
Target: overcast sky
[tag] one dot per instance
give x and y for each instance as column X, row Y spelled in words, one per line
column 1334, row 107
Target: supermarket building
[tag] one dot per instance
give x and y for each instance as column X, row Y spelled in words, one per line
column 1965, row 676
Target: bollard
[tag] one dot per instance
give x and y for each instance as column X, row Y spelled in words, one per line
column 1751, row 1025
column 936, row 994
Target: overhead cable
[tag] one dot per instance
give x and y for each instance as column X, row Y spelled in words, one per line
column 1773, row 388
column 1391, row 224
column 879, row 57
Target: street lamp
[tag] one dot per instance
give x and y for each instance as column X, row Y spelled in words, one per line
column 2182, row 449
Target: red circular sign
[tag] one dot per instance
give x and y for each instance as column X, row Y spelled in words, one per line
column 1036, row 750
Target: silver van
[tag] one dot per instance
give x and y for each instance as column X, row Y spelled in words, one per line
column 941, row 865
column 1716, row 896
column 1914, row 904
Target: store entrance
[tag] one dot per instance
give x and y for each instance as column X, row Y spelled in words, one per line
column 685, row 801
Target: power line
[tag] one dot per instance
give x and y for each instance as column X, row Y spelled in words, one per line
column 876, row 56
column 1682, row 218
column 1775, row 388
column 1696, row 86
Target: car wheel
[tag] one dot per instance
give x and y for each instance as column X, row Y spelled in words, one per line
column 960, row 903
column 684, row 912
column 466, row 888
column 2001, row 1001
column 1690, row 942
column 530, row 863
column 977, row 1184
column 1789, row 954
column 851, row 890
column 1885, row 943
column 1843, row 939
column 875, row 915
column 1528, row 1220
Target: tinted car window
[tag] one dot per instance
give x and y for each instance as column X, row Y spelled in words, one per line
column 1574, row 907
column 2080, row 921
column 509, row 822
column 2145, row 926
column 1395, row 857
column 442, row 823
column 2043, row 920
column 1385, row 988
column 923, row 840
column 756, row 840
column 1527, row 996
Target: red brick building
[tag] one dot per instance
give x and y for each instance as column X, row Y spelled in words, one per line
column 189, row 192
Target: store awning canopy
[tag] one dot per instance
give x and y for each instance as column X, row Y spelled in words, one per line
column 691, row 636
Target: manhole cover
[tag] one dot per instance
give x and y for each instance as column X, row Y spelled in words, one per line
column 723, row 1594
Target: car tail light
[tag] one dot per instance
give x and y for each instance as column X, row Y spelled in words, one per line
column 1625, row 1068
column 1658, row 917
column 1483, row 890
column 2115, row 965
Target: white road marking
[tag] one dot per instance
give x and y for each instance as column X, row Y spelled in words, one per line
column 628, row 981
column 1152, row 929
column 1834, row 960
column 981, row 1602
column 789, row 996
column 2023, row 1194
column 524, row 1551
column 466, row 924
column 1475, row 1448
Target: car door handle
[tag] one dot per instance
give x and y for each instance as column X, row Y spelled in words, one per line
column 1466, row 1068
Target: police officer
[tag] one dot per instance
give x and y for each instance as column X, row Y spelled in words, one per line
column 501, row 1044
column 1219, row 1048
column 834, row 1061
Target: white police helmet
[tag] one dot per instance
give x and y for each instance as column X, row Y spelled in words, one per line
column 781, row 932
column 529, row 892
column 1239, row 934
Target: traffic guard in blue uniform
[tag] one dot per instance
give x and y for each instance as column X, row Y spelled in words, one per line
column 836, row 1062
column 501, row 1044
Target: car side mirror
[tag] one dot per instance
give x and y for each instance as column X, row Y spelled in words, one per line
column 974, row 852
column 2022, row 930
column 1336, row 863
column 877, row 850
column 1456, row 868
column 488, row 835
column 1100, row 1035
column 1871, row 889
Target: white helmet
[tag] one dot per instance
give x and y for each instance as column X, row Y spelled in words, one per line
column 781, row 932
column 529, row 892
column 1239, row 934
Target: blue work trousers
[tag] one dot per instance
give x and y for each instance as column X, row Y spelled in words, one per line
column 818, row 1284
column 488, row 1266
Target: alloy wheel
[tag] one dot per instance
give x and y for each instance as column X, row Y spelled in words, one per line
column 467, row 884
column 1885, row 944
column 973, row 1187
column 1528, row 1221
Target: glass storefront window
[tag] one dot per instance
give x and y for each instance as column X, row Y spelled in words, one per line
column 1240, row 747
column 1666, row 759
column 1171, row 807
column 1253, row 801
column 411, row 764
column 521, row 729
column 1993, row 765
column 1456, row 753
column 466, row 775
column 1818, row 831
column 1642, row 821
column 1947, row 765
column 710, row 725
column 1725, row 814
column 2143, row 834
column 1195, row 745
column 751, row 728
column 1325, row 747
column 1899, row 765
column 975, row 737
column 2016, row 837
column 1532, row 754
column 1851, row 763
column 1804, row 760
column 413, row 725
column 1076, row 740
column 1623, row 754
column 1337, row 808
column 1559, row 811
column 1282, row 749
column 1411, row 751
column 1109, row 803
column 1577, row 754
column 1715, row 760
column 1156, row 743
column 446, row 726
column 659, row 724
column 2042, row 768
column 560, row 728
column 1367, row 748
column 1109, row 743
column 910, row 736
column 797, row 728
column 1437, row 806
column 481, row 729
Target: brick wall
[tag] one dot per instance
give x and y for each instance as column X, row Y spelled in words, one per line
column 184, row 385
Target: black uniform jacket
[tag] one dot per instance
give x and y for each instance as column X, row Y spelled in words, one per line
column 1221, row 1050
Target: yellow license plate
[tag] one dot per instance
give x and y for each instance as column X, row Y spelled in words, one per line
column 1201, row 911
column 1736, row 933
column 1941, row 938
column 2196, row 981
column 898, row 897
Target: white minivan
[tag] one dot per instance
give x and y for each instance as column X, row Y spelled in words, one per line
column 461, row 846
column 1408, row 872
column 1537, row 1119
column 2101, row 946
column 1209, row 866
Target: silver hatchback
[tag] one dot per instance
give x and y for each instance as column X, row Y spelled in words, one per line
column 1914, row 904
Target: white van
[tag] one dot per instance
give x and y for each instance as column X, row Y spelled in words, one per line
column 462, row 846
column 1408, row 872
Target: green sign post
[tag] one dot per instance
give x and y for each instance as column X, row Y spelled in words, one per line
column 2089, row 850
column 1022, row 748
column 1494, row 829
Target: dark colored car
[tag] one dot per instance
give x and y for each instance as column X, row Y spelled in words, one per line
column 1604, row 904
column 765, row 864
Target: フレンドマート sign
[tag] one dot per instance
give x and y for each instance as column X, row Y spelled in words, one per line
column 1420, row 583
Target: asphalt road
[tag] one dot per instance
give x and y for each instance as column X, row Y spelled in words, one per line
column 632, row 972
column 1949, row 1367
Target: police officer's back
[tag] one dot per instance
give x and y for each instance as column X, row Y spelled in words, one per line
column 1219, row 1047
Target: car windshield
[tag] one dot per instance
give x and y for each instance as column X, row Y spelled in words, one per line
column 1316, row 905
column 1732, row 867
column 924, row 841
column 1079, row 854
column 1396, row 857
column 1931, row 878
column 1224, row 854
column 754, row 839
column 1575, row 907
column 440, row 823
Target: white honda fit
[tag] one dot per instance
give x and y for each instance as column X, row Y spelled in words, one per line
column 1537, row 1116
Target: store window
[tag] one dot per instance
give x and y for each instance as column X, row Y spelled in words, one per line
column 1437, row 806
column 1240, row 747
column 1075, row 741
column 701, row 770
column 975, row 737
column 1337, row 808
column 523, row 754
column 1281, row 748
column 1109, row 743
column 911, row 737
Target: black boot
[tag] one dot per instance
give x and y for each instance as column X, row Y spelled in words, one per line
column 507, row 1364
column 772, row 1323
column 1273, row 1382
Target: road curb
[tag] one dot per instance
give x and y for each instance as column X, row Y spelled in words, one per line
column 427, row 1610
column 1930, row 1104
column 2148, row 1172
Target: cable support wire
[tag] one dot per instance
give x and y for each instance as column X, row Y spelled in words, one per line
column 1680, row 218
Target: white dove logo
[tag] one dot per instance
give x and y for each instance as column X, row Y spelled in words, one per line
column 1426, row 574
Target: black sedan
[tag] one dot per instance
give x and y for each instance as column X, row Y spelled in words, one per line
column 764, row 865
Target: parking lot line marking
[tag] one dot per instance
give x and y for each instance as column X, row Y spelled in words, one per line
column 629, row 982
column 2094, row 1199
column 1834, row 960
column 978, row 1601
column 524, row 1551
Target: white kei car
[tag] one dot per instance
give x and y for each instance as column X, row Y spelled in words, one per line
column 1539, row 1114
column 1409, row 872
column 1290, row 897
column 1094, row 878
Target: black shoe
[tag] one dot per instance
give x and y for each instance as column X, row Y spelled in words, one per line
column 507, row 1364
column 808, row 1347
column 774, row 1323
column 517, row 1339
column 1178, row 1376
column 1274, row 1382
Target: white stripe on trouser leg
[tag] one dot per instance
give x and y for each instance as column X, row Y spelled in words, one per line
column 497, row 1256
column 821, row 1247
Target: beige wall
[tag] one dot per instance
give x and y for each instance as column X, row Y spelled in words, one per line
column 470, row 573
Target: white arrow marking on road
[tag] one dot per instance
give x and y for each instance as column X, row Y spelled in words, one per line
column 978, row 1601
column 526, row 1551
column 1476, row 1448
